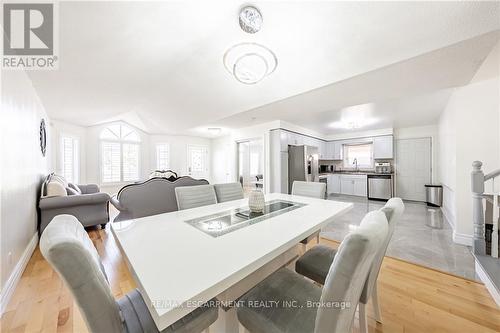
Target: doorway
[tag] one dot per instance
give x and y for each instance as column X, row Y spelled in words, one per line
column 251, row 164
column 413, row 168
column 197, row 161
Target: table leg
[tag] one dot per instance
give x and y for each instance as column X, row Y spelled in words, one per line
column 226, row 323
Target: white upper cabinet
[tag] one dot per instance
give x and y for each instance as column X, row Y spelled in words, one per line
column 322, row 149
column 337, row 150
column 383, row 147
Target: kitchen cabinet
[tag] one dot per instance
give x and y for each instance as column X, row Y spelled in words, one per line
column 346, row 185
column 383, row 147
column 329, row 151
column 322, row 150
column 332, row 150
column 353, row 185
column 337, row 150
column 333, row 184
column 360, row 187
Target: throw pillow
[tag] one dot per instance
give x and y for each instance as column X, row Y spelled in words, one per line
column 75, row 187
column 56, row 189
column 71, row 191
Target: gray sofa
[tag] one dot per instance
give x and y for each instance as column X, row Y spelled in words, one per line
column 85, row 202
column 151, row 197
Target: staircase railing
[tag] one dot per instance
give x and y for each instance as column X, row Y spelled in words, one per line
column 479, row 179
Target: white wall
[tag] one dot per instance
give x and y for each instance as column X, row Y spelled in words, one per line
column 221, row 160
column 22, row 169
column 469, row 128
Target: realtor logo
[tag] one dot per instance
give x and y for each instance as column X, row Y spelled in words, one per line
column 29, row 30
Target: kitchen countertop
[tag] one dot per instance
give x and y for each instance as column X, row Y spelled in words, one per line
column 354, row 173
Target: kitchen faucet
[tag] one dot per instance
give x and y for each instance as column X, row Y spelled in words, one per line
column 355, row 162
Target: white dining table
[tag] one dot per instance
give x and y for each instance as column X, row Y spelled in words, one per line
column 177, row 265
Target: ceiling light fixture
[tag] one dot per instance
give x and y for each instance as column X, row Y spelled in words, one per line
column 250, row 19
column 249, row 63
column 214, row 130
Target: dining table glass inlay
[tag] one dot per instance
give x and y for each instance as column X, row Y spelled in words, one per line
column 231, row 220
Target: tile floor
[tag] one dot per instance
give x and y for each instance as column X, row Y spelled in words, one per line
column 421, row 237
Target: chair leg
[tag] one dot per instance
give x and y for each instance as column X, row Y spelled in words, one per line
column 363, row 320
column 376, row 305
column 317, row 238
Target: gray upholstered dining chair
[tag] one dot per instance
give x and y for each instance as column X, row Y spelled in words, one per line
column 228, row 192
column 312, row 190
column 316, row 263
column 68, row 248
column 195, row 196
column 309, row 189
column 300, row 306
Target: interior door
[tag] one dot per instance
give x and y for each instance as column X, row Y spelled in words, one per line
column 197, row 163
column 413, row 168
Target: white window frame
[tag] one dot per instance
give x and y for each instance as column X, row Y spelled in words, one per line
column 347, row 165
column 76, row 156
column 157, row 160
column 121, row 142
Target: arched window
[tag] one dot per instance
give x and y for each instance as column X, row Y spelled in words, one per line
column 120, row 154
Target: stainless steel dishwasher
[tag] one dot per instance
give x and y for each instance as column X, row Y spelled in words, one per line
column 380, row 187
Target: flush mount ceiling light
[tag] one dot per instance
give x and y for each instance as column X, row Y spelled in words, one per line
column 214, row 130
column 250, row 19
column 353, row 124
column 249, row 63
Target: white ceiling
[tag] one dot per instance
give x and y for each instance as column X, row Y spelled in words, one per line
column 161, row 62
column 409, row 93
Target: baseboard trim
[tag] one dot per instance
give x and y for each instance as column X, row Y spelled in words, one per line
column 462, row 239
column 488, row 283
column 16, row 274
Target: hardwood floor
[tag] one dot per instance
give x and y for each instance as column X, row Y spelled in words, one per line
column 413, row 298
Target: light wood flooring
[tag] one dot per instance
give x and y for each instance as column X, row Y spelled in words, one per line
column 413, row 298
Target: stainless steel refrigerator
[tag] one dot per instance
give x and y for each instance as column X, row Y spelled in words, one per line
column 302, row 164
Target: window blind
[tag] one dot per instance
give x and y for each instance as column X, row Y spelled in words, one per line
column 162, row 156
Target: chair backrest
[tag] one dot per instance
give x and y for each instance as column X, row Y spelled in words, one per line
column 393, row 210
column 348, row 273
column 68, row 248
column 309, row 189
column 154, row 196
column 195, row 196
column 228, row 192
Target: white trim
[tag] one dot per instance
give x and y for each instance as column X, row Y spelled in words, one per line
column 488, row 283
column 462, row 239
column 15, row 276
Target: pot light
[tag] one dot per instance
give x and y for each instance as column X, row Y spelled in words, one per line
column 249, row 63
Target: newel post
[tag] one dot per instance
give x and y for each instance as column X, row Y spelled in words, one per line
column 477, row 178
